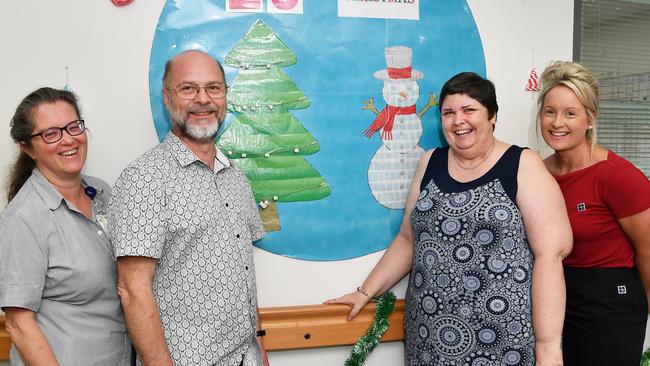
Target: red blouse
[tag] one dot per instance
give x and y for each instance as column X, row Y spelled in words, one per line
column 595, row 198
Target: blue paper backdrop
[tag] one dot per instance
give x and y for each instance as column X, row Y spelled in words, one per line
column 336, row 59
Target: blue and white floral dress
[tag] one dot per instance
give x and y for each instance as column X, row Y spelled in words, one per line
column 469, row 295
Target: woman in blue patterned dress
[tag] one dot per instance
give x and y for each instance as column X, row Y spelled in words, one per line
column 483, row 237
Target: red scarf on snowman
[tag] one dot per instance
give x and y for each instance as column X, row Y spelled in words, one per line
column 386, row 118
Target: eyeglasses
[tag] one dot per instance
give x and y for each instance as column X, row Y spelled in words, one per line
column 54, row 134
column 188, row 91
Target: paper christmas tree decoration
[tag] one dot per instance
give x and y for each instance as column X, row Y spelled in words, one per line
column 264, row 139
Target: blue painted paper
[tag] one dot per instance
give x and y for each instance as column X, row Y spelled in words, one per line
column 336, row 59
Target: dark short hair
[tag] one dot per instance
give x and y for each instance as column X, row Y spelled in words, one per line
column 22, row 127
column 475, row 87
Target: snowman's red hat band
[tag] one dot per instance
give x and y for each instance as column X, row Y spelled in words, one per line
column 398, row 65
column 402, row 73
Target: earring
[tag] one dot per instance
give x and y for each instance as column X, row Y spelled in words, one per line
column 590, row 127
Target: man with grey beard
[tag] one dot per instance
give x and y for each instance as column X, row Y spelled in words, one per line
column 183, row 219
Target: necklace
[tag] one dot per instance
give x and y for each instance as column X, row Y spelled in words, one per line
column 494, row 142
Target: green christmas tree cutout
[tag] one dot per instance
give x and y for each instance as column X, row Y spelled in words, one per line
column 265, row 90
column 264, row 139
column 260, row 47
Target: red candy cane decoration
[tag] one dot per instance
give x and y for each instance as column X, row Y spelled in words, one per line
column 533, row 81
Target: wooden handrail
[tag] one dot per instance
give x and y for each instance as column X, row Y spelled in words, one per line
column 311, row 326
column 300, row 327
column 5, row 341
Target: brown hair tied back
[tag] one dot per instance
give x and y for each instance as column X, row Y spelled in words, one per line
column 22, row 127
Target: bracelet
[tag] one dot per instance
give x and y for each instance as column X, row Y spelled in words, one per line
column 362, row 290
column 260, row 333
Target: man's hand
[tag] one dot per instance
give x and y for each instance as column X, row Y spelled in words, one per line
column 265, row 357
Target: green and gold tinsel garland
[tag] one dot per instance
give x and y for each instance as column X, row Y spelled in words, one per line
column 368, row 342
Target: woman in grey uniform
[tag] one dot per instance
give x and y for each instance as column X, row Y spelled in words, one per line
column 57, row 272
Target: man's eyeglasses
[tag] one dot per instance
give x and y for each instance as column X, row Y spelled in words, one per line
column 54, row 134
column 190, row 91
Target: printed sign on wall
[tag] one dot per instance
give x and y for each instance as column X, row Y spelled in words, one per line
column 385, row 9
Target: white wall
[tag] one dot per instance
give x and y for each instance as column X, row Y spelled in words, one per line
column 107, row 49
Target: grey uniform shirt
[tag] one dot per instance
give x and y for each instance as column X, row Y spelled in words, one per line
column 59, row 264
column 200, row 225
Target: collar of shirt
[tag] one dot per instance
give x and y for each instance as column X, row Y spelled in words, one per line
column 185, row 156
column 49, row 194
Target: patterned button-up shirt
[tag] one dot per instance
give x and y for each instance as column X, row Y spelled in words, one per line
column 200, row 225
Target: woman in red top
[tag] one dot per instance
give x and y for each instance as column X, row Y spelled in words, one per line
column 608, row 201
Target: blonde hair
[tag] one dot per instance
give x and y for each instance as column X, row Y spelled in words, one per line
column 581, row 81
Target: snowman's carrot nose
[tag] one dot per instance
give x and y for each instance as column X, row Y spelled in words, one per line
column 402, row 94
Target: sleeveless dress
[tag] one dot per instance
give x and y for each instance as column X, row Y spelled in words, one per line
column 469, row 295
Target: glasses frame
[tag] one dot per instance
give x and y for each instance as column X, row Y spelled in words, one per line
column 80, row 122
column 198, row 90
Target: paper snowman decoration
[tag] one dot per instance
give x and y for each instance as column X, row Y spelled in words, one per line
column 393, row 166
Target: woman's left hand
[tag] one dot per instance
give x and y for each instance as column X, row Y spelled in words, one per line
column 548, row 354
column 355, row 300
